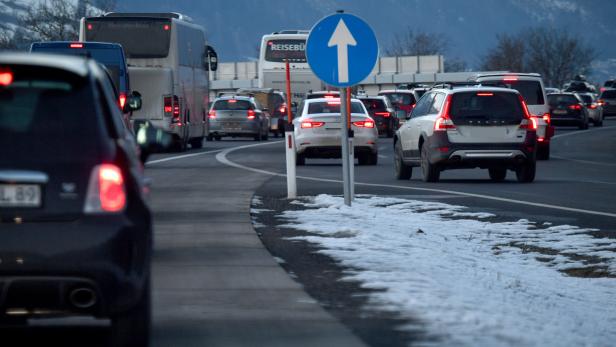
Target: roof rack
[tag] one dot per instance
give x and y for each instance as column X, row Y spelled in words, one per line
column 451, row 85
column 293, row 32
column 169, row 15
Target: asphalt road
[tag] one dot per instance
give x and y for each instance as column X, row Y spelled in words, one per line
column 214, row 282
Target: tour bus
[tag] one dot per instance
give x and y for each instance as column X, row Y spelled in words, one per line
column 168, row 62
column 287, row 45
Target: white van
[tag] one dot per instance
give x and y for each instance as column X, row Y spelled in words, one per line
column 168, row 62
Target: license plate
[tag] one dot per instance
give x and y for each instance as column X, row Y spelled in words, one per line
column 560, row 111
column 20, row 195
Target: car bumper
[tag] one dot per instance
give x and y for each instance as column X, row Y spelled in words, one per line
column 42, row 263
column 234, row 128
column 446, row 154
column 328, row 146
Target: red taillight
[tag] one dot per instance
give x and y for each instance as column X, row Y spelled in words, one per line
column 364, row 124
column 6, row 77
column 122, row 100
column 593, row 106
column 510, row 79
column 309, row 123
column 282, row 109
column 600, row 102
column 89, row 26
column 76, row 45
column 329, row 96
column 106, row 191
column 382, row 114
column 575, row 107
column 176, row 107
column 529, row 123
column 546, row 118
column 251, row 114
column 167, row 106
column 336, row 102
column 212, row 114
column 485, row 94
column 166, row 27
column 444, row 122
column 231, row 101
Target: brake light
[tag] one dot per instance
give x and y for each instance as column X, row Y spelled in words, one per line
column 600, row 102
column 166, row 27
column 329, row 96
column 546, row 118
column 485, row 94
column 176, row 107
column 510, row 79
column 309, row 123
column 167, row 106
column 333, row 102
column 364, row 124
column 76, row 45
column 444, row 122
column 592, row 106
column 89, row 26
column 251, row 114
column 382, row 114
column 212, row 114
column 282, row 109
column 6, row 77
column 122, row 100
column 231, row 101
column 575, row 107
column 529, row 122
column 106, row 191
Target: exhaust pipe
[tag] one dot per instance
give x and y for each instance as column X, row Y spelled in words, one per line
column 82, row 297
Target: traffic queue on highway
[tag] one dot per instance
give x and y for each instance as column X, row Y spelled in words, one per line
column 79, row 119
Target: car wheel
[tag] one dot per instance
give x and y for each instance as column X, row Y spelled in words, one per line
column 258, row 136
column 543, row 152
column 584, row 125
column 497, row 174
column 300, row 159
column 265, row 136
column 401, row 170
column 430, row 171
column 197, row 143
column 373, row 159
column 132, row 328
column 218, row 137
column 526, row 172
column 209, row 137
column 599, row 123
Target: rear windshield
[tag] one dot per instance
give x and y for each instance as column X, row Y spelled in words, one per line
column 586, row 98
column 332, row 107
column 230, row 105
column 608, row 83
column 609, row 94
column 561, row 99
column 530, row 90
column 46, row 115
column 111, row 58
column 406, row 99
column 480, row 107
column 319, row 95
column 374, row 104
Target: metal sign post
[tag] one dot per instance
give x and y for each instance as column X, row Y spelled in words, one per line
column 351, row 146
column 289, row 136
column 342, row 50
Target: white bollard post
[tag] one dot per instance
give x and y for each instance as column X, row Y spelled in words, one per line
column 352, row 167
column 291, row 169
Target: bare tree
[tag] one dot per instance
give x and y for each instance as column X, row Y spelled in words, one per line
column 410, row 42
column 509, row 54
column 52, row 20
column 6, row 40
column 555, row 54
column 455, row 65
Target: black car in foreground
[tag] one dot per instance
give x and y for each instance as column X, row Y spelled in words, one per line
column 75, row 229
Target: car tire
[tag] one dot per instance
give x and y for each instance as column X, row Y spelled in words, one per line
column 401, row 170
column 300, row 159
column 132, row 328
column 431, row 172
column 584, row 125
column 209, row 137
column 526, row 172
column 258, row 136
column 497, row 174
column 218, row 137
column 197, row 143
column 599, row 123
column 265, row 136
column 543, row 152
column 373, row 159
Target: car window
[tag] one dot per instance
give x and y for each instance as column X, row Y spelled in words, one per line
column 374, row 104
column 531, row 90
column 420, row 92
column 608, row 94
column 561, row 99
column 586, row 98
column 232, row 104
column 406, row 99
column 47, row 115
column 332, row 107
column 423, row 105
column 437, row 104
column 480, row 107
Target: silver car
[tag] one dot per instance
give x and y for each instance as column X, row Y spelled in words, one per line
column 318, row 134
column 238, row 116
column 594, row 109
column 608, row 101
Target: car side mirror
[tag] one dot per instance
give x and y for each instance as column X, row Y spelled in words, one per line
column 152, row 140
column 133, row 102
column 401, row 114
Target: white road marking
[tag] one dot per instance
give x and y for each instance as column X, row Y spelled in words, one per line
column 222, row 158
column 383, row 156
column 584, row 161
column 181, row 157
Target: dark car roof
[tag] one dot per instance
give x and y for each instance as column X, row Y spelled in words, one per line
column 75, row 65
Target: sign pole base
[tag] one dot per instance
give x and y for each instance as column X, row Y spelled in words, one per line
column 291, row 168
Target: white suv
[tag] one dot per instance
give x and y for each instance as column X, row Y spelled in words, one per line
column 468, row 127
column 530, row 85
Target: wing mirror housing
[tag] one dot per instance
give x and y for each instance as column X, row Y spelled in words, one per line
column 152, row 140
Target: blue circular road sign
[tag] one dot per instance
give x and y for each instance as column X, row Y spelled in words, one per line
column 342, row 50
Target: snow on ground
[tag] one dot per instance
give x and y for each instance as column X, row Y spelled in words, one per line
column 473, row 281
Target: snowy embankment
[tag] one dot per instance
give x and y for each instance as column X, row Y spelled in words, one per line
column 473, row 281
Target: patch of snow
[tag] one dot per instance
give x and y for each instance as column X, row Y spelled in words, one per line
column 474, row 282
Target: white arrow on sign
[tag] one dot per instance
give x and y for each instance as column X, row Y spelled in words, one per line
column 342, row 38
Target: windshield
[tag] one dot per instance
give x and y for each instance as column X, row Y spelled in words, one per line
column 609, row 94
column 279, row 50
column 406, row 99
column 374, row 104
column 586, row 98
column 332, row 107
column 479, row 107
column 232, row 104
column 530, row 90
column 140, row 37
column 561, row 99
column 35, row 122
